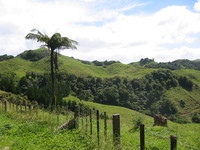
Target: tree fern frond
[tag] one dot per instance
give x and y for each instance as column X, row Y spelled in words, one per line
column 32, row 36
column 37, row 35
column 68, row 43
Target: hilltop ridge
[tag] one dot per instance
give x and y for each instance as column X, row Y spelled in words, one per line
column 172, row 92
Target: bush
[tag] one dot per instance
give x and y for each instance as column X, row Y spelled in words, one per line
column 196, row 118
column 182, row 120
column 178, row 119
column 137, row 122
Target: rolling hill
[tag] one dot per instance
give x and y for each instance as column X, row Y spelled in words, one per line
column 20, row 130
column 22, row 64
column 148, row 90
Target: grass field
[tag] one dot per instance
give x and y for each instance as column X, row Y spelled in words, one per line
column 72, row 66
column 156, row 137
column 28, row 131
column 23, row 130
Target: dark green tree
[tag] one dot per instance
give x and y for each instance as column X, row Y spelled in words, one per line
column 54, row 43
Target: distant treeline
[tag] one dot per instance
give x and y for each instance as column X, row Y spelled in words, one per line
column 6, row 57
column 29, row 55
column 98, row 63
column 174, row 65
column 145, row 62
column 145, row 95
column 34, row 55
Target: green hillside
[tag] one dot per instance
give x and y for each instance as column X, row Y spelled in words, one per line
column 175, row 93
column 21, row 65
column 20, row 130
column 157, row 137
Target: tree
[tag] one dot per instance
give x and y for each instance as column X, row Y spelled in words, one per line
column 54, row 43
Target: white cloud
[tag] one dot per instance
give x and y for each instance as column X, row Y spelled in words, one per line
column 126, row 38
column 197, row 5
column 133, row 37
column 24, row 15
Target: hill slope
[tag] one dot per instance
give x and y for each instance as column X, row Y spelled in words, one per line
column 26, row 63
column 20, row 130
column 174, row 93
column 157, row 137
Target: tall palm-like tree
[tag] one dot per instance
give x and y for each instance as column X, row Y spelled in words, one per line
column 54, row 43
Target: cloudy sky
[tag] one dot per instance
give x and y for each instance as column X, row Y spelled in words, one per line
column 124, row 30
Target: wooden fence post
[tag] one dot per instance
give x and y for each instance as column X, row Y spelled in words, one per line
column 58, row 116
column 82, row 115
column 173, row 140
column 1, row 105
column 76, row 116
column 42, row 108
column 13, row 106
column 116, row 129
column 86, row 120
column 67, row 111
column 98, row 137
column 25, row 104
column 17, row 106
column 142, row 137
column 10, row 106
column 29, row 107
column 20, row 107
column 105, row 124
column 90, row 121
column 5, row 105
column 36, row 110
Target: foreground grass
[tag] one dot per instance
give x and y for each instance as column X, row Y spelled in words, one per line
column 156, row 138
column 21, row 131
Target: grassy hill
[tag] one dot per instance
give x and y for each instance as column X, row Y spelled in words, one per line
column 186, row 102
column 157, row 137
column 20, row 66
column 20, row 130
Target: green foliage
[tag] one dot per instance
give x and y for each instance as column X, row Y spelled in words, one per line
column 137, row 121
column 155, row 136
column 7, row 82
column 34, row 55
column 196, row 117
column 179, row 119
column 175, row 65
column 167, row 107
column 186, row 83
column 104, row 63
column 20, row 132
column 98, row 63
column 25, row 131
column 69, row 65
column 145, row 61
column 150, row 91
column 6, row 57
column 146, row 94
column 36, row 87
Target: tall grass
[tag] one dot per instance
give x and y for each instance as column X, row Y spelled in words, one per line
column 38, row 130
column 156, row 137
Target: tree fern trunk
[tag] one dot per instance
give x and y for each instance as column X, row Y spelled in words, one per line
column 53, row 100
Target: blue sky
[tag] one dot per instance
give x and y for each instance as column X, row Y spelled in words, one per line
column 124, row 30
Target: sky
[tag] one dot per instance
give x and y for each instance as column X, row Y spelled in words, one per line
column 121, row 30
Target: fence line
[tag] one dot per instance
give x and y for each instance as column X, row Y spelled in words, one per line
column 34, row 109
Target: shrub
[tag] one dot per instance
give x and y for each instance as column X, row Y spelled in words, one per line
column 137, row 122
column 196, row 118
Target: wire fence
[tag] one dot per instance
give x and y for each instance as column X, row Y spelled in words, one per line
column 102, row 129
